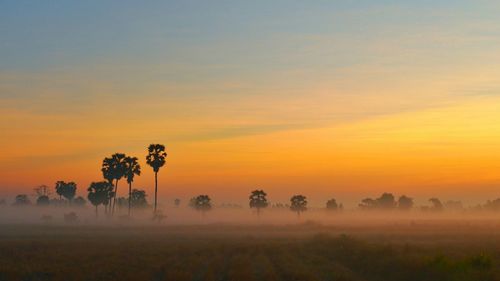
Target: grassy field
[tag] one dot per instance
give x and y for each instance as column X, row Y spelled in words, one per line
column 239, row 253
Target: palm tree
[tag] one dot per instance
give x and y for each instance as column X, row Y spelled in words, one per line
column 131, row 168
column 298, row 203
column 100, row 193
column 258, row 200
column 156, row 159
column 66, row 190
column 113, row 170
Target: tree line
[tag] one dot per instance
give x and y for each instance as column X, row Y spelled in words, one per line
column 120, row 166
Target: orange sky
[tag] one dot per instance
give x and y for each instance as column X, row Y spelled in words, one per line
column 335, row 99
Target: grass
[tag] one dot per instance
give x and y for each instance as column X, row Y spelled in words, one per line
column 239, row 253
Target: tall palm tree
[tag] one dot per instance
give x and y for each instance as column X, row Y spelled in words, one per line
column 131, row 168
column 156, row 159
column 113, row 170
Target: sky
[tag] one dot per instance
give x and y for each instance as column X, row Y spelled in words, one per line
column 344, row 99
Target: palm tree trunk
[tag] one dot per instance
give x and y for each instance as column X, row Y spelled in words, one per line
column 96, row 213
column 114, row 198
column 156, row 190
column 129, row 196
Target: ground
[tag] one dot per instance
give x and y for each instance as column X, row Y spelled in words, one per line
column 402, row 251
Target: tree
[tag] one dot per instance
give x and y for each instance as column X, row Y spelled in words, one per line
column 66, row 190
column 437, row 206
column 201, row 203
column 138, row 199
column 258, row 200
column 385, row 202
column 22, row 200
column 156, row 159
column 131, row 169
column 43, row 200
column 368, row 203
column 177, row 202
column 113, row 170
column 332, row 205
column 100, row 193
column 42, row 190
column 405, row 203
column 298, row 204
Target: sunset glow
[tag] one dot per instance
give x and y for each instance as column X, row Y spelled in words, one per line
column 404, row 98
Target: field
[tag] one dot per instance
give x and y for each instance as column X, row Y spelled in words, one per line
column 308, row 251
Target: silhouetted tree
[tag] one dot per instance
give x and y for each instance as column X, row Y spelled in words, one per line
column 138, row 198
column 43, row 200
column 131, row 168
column 258, row 200
column 113, row 169
column 385, row 202
column 368, row 204
column 298, row 204
column 405, row 203
column 201, row 203
column 100, row 193
column 332, row 205
column 177, row 202
column 66, row 190
column 436, row 205
column 22, row 200
column 156, row 159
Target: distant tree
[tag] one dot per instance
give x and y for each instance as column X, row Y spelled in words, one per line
column 368, row 204
column 100, row 193
column 177, row 202
column 122, row 203
column 436, row 205
column 22, row 200
column 405, row 203
column 131, row 169
column 42, row 190
column 492, row 205
column 138, row 199
column 79, row 201
column 57, row 202
column 385, row 202
column 156, row 159
column 332, row 205
column 43, row 200
column 258, row 200
column 113, row 169
column 298, row 204
column 66, row 190
column 201, row 203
